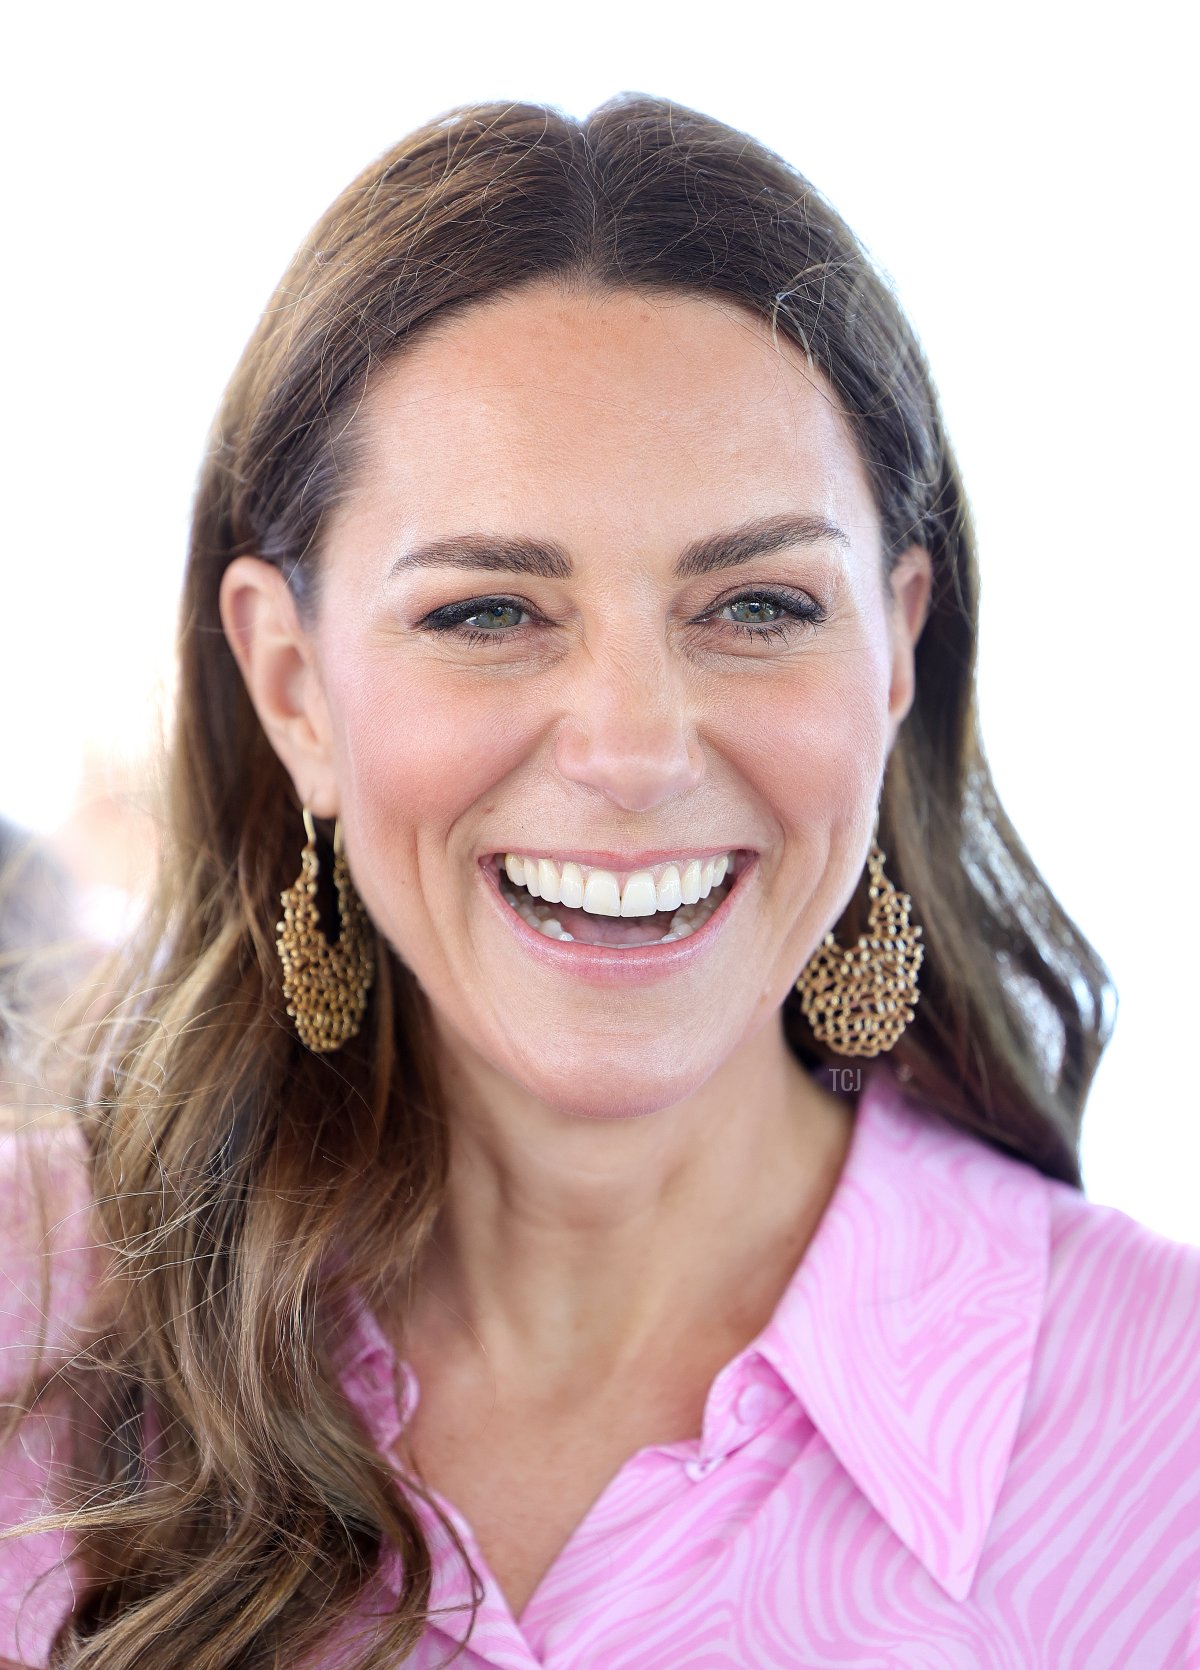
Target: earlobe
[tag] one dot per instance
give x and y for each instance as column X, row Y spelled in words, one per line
column 275, row 655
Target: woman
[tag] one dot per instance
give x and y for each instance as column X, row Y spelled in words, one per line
column 628, row 1211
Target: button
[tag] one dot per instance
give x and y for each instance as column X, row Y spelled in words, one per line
column 756, row 1405
column 697, row 1470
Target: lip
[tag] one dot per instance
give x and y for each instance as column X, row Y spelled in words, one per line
column 606, row 965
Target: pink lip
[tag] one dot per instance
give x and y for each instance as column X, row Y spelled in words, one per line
column 602, row 965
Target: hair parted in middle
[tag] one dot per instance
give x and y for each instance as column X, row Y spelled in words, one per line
column 246, row 1187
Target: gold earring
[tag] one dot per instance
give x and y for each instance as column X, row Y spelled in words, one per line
column 859, row 1000
column 325, row 986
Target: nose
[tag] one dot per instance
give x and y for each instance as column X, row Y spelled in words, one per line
column 629, row 731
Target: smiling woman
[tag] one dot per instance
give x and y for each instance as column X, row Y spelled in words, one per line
column 502, row 1246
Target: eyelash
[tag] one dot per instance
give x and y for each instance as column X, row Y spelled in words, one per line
column 801, row 613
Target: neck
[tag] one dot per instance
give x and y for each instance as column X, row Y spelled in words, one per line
column 575, row 1243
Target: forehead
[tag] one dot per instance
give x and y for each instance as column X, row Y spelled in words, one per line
column 625, row 409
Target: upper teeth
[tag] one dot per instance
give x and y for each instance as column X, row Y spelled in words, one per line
column 665, row 887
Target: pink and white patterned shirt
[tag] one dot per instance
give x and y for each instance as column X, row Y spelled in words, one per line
column 968, row 1439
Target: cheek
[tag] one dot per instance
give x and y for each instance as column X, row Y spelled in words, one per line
column 815, row 745
column 414, row 752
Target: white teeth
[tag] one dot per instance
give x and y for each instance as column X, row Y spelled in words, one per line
column 538, row 914
column 601, row 896
column 639, row 897
column 600, row 892
column 670, row 896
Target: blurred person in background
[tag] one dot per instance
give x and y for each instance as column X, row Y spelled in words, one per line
column 585, row 1167
column 42, row 955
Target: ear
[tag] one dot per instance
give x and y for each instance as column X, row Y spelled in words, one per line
column 277, row 661
column 911, row 587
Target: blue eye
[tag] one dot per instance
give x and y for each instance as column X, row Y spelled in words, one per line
column 456, row 618
column 771, row 614
column 790, row 614
column 488, row 614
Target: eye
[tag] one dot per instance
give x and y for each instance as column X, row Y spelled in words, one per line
column 493, row 619
column 495, row 615
column 771, row 614
column 764, row 614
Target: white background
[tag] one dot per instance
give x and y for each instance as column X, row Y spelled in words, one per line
column 1026, row 177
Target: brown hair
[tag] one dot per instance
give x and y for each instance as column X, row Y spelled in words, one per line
column 246, row 1187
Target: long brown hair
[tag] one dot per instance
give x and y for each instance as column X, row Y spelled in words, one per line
column 246, row 1187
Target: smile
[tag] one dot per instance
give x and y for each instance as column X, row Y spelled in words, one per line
column 614, row 933
column 570, row 901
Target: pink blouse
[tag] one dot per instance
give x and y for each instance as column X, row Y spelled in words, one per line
column 968, row 1439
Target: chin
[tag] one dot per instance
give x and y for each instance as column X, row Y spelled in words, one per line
column 620, row 1088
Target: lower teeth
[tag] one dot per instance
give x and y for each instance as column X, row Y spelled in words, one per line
column 540, row 915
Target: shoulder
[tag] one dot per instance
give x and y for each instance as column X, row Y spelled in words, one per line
column 48, row 1258
column 48, row 1265
column 1119, row 1292
column 1110, row 1290
column 1113, row 1400
column 1098, row 1496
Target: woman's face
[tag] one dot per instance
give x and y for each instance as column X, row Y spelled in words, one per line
column 608, row 590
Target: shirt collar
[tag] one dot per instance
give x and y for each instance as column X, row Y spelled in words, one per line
column 907, row 1333
column 908, row 1330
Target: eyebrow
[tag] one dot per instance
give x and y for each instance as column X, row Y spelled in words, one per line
column 550, row 561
